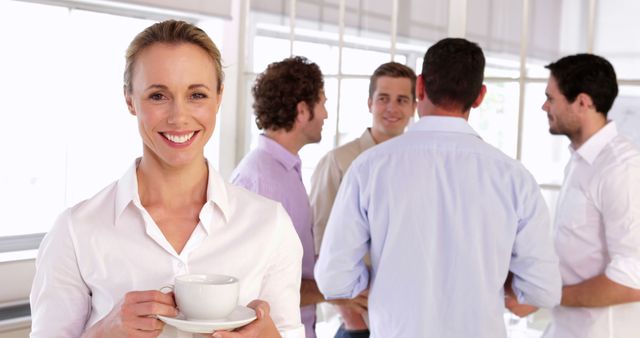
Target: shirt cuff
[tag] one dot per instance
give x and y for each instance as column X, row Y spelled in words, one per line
column 624, row 271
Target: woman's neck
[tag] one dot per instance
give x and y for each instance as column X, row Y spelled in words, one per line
column 159, row 184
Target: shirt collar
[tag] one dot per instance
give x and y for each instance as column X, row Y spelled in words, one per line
column 127, row 193
column 366, row 140
column 281, row 154
column 127, row 190
column 594, row 145
column 443, row 124
column 217, row 193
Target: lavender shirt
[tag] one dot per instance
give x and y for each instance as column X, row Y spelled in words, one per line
column 272, row 171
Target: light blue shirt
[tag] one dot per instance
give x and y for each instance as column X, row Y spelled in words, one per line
column 445, row 217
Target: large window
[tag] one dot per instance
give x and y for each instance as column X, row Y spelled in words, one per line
column 67, row 132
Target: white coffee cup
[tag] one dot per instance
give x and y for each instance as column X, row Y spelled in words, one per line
column 206, row 297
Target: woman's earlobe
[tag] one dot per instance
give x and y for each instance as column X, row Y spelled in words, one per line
column 130, row 108
column 127, row 100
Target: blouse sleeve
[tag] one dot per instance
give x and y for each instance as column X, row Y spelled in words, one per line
column 281, row 284
column 60, row 299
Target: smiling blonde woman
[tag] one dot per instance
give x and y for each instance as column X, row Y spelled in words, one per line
column 99, row 268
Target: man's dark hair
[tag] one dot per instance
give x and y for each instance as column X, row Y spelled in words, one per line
column 279, row 89
column 589, row 74
column 453, row 72
column 395, row 70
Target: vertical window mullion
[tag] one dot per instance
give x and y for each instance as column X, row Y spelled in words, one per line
column 524, row 44
column 341, row 20
column 394, row 29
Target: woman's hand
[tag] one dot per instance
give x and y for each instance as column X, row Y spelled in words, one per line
column 135, row 315
column 262, row 327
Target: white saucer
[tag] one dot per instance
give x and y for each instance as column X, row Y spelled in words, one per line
column 240, row 316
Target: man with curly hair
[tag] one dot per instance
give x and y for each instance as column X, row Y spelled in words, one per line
column 289, row 105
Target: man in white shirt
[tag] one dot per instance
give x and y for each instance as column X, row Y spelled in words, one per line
column 445, row 216
column 392, row 103
column 597, row 224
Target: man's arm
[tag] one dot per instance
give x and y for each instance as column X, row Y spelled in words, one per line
column 325, row 182
column 340, row 270
column 617, row 196
column 511, row 301
column 598, row 291
column 309, row 293
column 534, row 263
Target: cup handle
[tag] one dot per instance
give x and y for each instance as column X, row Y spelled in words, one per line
column 166, row 288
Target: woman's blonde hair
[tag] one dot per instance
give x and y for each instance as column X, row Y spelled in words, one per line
column 171, row 32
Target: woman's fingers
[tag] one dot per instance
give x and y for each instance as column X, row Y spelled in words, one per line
column 139, row 309
column 150, row 296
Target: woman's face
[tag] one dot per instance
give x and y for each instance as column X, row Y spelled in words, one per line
column 175, row 97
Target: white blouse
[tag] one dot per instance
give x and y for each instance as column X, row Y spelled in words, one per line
column 109, row 245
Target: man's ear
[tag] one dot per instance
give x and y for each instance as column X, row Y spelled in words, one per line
column 369, row 103
column 420, row 93
column 129, row 101
column 478, row 101
column 303, row 111
column 584, row 101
